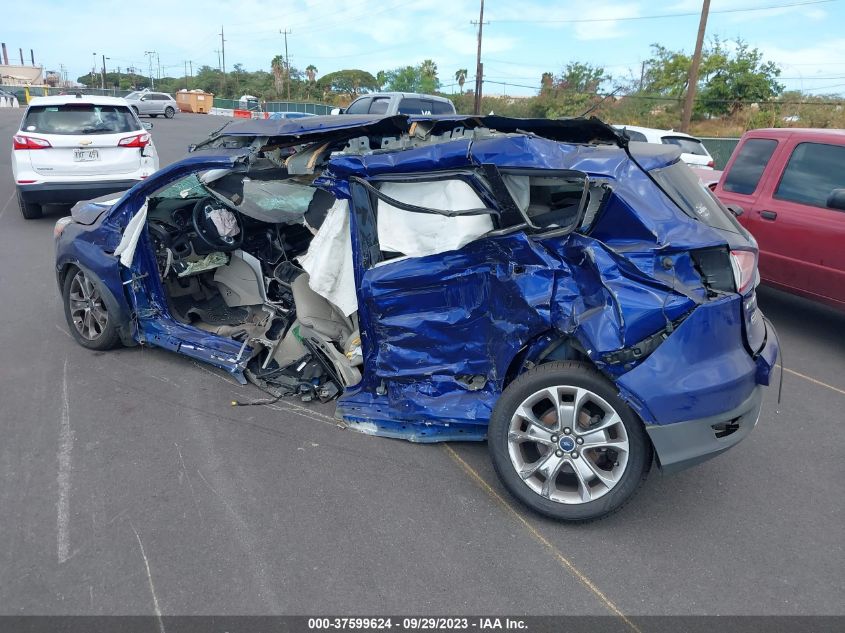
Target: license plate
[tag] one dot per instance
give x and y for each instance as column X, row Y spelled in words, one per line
column 80, row 155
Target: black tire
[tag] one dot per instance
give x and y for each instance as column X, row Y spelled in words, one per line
column 101, row 333
column 153, row 116
column 563, row 376
column 169, row 112
column 135, row 110
column 29, row 210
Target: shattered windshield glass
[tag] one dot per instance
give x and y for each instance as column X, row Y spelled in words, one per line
column 273, row 201
column 187, row 187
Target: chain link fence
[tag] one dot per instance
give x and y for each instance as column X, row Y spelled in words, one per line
column 229, row 104
column 720, row 149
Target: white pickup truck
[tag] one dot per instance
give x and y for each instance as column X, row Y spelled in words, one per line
column 389, row 103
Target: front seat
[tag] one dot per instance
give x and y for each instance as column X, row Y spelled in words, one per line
column 318, row 313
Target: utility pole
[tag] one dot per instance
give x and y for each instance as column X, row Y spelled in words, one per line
column 103, row 77
column 149, row 55
column 223, row 51
column 118, row 78
column 285, row 33
column 158, row 63
column 693, row 71
column 479, row 67
column 191, row 68
column 186, row 75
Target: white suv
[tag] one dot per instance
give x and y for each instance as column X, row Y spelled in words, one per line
column 693, row 152
column 77, row 147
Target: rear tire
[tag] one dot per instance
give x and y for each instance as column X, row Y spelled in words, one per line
column 566, row 445
column 169, row 112
column 152, row 116
column 29, row 210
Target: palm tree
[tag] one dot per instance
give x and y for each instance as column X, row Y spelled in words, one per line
column 461, row 77
column 278, row 67
column 428, row 69
column 311, row 73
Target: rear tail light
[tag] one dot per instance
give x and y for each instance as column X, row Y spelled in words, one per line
column 711, row 164
column 19, row 141
column 744, row 264
column 140, row 140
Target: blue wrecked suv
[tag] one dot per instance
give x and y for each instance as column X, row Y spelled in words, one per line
column 581, row 301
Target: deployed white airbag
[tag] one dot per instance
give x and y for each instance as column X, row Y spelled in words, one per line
column 131, row 234
column 421, row 234
column 328, row 260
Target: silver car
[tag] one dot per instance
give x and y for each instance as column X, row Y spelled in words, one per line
column 153, row 103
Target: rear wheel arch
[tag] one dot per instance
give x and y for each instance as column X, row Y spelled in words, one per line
column 546, row 347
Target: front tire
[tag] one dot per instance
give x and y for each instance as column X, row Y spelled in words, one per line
column 87, row 311
column 566, row 445
column 169, row 112
column 152, row 116
column 29, row 210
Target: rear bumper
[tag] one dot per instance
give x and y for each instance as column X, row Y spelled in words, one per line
column 67, row 192
column 684, row 444
column 699, row 393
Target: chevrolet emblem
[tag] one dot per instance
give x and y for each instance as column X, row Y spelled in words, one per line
column 86, row 142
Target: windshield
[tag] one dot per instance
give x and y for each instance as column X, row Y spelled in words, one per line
column 271, row 200
column 82, row 118
column 694, row 198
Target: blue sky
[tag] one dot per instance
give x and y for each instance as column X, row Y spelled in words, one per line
column 522, row 40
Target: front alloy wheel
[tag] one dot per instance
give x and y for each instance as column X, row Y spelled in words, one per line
column 566, row 445
column 169, row 112
column 87, row 312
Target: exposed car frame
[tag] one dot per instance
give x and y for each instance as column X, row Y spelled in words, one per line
column 605, row 310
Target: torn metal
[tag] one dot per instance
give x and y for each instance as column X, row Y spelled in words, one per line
column 415, row 267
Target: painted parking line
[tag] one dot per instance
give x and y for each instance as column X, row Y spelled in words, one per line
column 814, row 381
column 558, row 555
column 6, row 206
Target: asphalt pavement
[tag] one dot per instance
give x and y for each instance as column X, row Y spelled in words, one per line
column 129, row 485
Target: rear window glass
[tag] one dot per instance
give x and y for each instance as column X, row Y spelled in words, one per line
column 80, row 119
column 813, row 172
column 359, row 107
column 694, row 198
column 414, row 105
column 379, row 105
column 687, row 145
column 744, row 175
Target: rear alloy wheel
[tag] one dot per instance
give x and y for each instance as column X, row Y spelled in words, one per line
column 169, row 112
column 566, row 445
column 29, row 210
column 87, row 313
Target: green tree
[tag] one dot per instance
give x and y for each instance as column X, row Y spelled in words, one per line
column 581, row 77
column 461, row 77
column 350, row 83
column 736, row 78
column 422, row 78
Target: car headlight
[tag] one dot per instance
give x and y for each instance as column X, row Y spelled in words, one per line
column 60, row 226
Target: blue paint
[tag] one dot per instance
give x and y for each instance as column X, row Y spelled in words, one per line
column 443, row 335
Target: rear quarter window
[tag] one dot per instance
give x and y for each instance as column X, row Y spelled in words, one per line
column 79, row 119
column 813, row 171
column 746, row 171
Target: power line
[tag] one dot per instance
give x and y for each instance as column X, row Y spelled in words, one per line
column 662, row 15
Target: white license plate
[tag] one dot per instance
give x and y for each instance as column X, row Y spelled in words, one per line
column 80, row 155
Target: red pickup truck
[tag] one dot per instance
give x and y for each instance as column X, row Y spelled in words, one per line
column 790, row 187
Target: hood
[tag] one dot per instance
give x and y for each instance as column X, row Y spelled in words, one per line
column 87, row 211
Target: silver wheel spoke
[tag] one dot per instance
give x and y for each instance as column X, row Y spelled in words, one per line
column 584, row 475
column 551, row 470
column 589, row 467
column 541, row 465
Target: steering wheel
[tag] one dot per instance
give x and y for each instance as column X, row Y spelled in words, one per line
column 207, row 232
